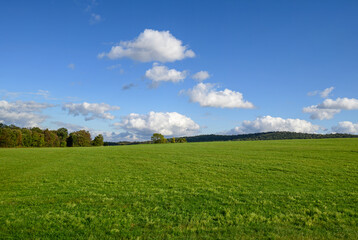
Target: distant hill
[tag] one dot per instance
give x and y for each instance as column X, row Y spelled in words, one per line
column 266, row 136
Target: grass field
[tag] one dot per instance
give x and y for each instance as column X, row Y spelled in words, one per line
column 297, row 189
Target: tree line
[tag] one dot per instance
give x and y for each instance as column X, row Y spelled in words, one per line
column 13, row 136
column 267, row 136
column 159, row 138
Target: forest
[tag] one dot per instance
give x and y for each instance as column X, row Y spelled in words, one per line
column 13, row 136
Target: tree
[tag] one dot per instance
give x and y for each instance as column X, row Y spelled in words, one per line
column 181, row 140
column 12, row 126
column 5, row 137
column 38, row 138
column 62, row 134
column 98, row 140
column 158, row 138
column 16, row 137
column 36, row 129
column 172, row 140
column 10, row 136
column 26, row 137
column 51, row 138
column 80, row 138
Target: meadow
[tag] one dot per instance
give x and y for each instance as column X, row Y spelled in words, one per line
column 284, row 189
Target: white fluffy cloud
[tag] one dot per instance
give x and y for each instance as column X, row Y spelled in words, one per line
column 324, row 94
column 270, row 124
column 23, row 114
column 151, row 45
column 206, row 95
column 159, row 73
column 329, row 107
column 346, row 127
column 90, row 110
column 201, row 76
column 319, row 113
column 340, row 103
column 166, row 123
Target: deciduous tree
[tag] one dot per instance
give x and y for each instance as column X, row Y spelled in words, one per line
column 80, row 138
column 98, row 140
column 62, row 134
column 158, row 138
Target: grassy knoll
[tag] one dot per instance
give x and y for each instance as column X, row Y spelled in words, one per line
column 299, row 189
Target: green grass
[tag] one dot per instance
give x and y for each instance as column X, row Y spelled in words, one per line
column 299, row 189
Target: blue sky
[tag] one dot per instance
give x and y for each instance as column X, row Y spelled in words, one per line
column 270, row 66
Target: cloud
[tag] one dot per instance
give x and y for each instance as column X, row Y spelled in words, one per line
column 110, row 136
column 166, row 123
column 123, row 136
column 95, row 18
column 42, row 93
column 90, row 110
column 319, row 113
column 141, row 127
column 329, row 107
column 207, row 96
column 128, row 86
column 270, row 124
column 71, row 66
column 159, row 73
column 22, row 114
column 346, row 127
column 340, row 103
column 324, row 94
column 201, row 76
column 107, row 135
column 21, row 106
column 6, row 94
column 151, row 45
